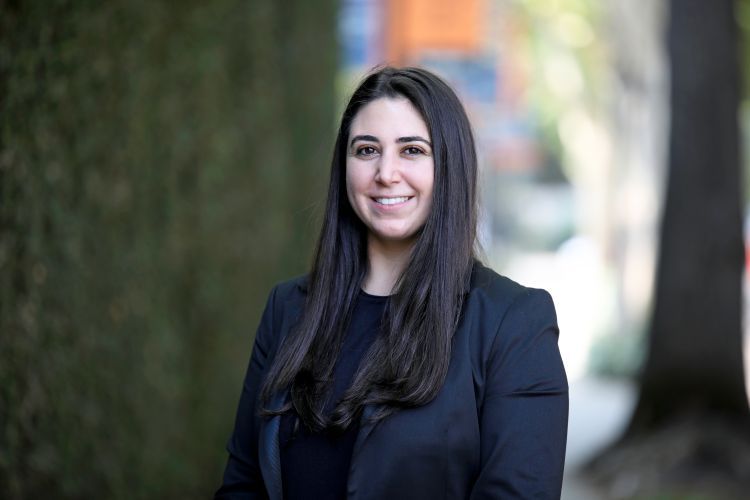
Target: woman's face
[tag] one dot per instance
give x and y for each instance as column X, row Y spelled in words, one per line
column 390, row 170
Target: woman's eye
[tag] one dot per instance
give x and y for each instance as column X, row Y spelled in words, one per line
column 413, row 150
column 366, row 151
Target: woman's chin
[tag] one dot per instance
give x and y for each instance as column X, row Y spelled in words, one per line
column 394, row 238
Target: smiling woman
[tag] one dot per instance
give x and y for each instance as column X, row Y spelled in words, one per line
column 389, row 178
column 400, row 366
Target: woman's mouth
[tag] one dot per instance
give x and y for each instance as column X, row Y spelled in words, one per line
column 389, row 201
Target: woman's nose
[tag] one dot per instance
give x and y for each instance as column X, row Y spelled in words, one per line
column 388, row 170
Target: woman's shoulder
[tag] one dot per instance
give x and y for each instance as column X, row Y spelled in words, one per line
column 497, row 295
column 517, row 330
column 290, row 288
column 486, row 284
column 286, row 299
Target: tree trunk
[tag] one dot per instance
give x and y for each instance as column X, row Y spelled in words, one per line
column 690, row 432
column 694, row 360
column 158, row 161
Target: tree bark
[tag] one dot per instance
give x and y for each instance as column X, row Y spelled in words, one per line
column 158, row 163
column 694, row 362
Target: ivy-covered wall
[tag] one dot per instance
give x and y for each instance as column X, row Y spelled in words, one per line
column 160, row 167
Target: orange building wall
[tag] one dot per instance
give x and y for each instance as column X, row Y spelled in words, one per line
column 414, row 26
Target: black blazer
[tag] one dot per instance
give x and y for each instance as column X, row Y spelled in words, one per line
column 497, row 428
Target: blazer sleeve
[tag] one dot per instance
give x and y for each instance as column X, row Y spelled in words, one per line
column 524, row 414
column 242, row 475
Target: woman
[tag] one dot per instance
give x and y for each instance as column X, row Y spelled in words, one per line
column 401, row 367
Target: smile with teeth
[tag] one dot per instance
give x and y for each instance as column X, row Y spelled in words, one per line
column 392, row 201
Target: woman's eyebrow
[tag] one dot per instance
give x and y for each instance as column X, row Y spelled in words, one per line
column 370, row 138
column 413, row 138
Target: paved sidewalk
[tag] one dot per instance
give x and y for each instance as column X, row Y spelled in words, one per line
column 599, row 412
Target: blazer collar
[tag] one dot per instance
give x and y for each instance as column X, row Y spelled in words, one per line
column 269, row 454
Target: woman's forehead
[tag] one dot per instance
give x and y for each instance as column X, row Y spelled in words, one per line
column 388, row 117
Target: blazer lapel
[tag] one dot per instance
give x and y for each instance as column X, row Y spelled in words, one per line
column 268, row 440
column 269, row 453
column 365, row 429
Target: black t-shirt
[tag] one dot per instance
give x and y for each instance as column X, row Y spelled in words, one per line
column 316, row 465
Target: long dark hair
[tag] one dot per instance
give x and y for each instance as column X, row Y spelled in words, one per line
column 408, row 362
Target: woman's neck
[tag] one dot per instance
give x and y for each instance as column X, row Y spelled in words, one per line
column 386, row 263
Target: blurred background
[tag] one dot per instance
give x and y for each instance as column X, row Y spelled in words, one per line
column 163, row 164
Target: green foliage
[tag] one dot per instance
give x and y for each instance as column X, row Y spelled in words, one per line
column 567, row 59
column 158, row 166
column 618, row 356
column 742, row 13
